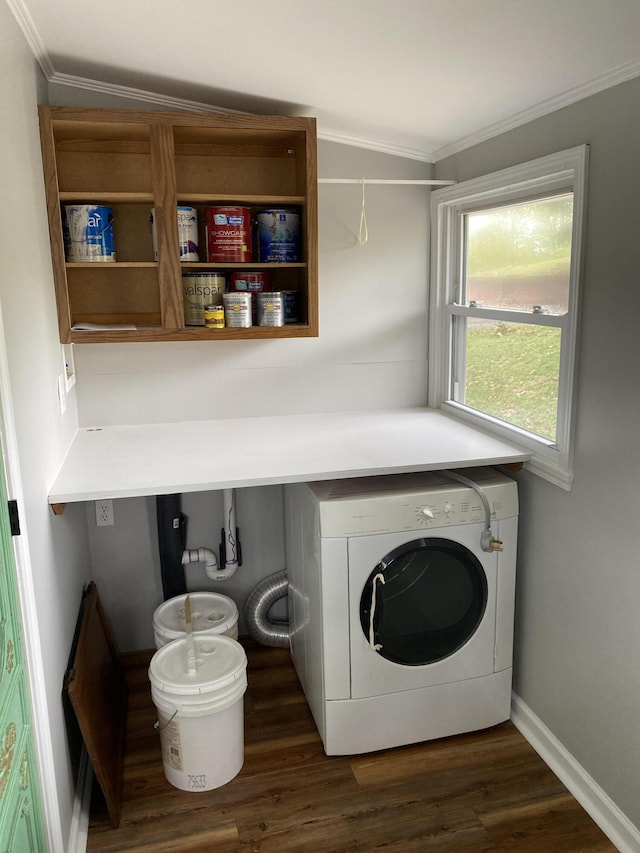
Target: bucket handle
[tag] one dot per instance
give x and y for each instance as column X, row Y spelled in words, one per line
column 158, row 728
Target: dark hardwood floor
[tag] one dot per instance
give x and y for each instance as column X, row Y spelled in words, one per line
column 487, row 791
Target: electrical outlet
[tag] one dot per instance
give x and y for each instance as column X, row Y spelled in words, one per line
column 104, row 513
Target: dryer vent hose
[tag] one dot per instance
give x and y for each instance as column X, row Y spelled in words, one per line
column 256, row 611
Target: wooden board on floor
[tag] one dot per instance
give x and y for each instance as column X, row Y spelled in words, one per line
column 98, row 692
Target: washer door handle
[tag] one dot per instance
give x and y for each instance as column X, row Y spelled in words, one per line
column 379, row 578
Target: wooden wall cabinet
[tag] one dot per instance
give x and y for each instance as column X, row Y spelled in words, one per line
column 133, row 161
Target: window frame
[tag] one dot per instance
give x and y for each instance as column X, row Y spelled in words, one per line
column 565, row 171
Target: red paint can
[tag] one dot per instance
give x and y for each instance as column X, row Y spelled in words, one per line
column 228, row 233
column 253, row 283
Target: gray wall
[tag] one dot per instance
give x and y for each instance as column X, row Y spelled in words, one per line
column 53, row 553
column 578, row 630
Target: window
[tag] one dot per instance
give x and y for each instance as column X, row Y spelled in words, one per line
column 504, row 304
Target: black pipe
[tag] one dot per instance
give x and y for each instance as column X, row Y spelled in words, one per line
column 172, row 539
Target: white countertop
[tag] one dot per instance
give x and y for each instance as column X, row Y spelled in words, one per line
column 195, row 456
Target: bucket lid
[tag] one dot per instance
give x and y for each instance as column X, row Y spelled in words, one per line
column 220, row 662
column 209, row 612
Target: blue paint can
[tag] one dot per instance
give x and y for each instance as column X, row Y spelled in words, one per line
column 88, row 233
column 278, row 236
column 290, row 306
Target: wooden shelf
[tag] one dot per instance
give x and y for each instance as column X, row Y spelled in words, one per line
column 136, row 161
column 86, row 197
column 110, row 265
column 152, row 333
column 249, row 200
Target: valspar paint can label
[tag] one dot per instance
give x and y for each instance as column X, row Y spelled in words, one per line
column 187, row 234
column 278, row 236
column 228, row 232
column 200, row 289
column 237, row 310
column 88, row 233
column 271, row 309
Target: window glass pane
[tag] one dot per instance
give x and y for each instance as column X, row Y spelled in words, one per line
column 518, row 256
column 511, row 372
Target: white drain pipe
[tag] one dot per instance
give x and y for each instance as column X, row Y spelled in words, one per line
column 206, row 556
column 230, row 541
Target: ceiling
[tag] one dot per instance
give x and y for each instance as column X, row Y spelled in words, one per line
column 419, row 78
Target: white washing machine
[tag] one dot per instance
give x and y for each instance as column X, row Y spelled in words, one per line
column 401, row 624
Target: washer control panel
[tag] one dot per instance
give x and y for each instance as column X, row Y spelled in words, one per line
column 349, row 511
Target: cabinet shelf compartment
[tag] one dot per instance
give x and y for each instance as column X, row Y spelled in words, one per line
column 99, row 157
column 131, row 228
column 114, row 294
column 261, row 161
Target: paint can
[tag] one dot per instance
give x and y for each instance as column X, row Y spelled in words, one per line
column 228, row 233
column 214, row 316
column 198, row 290
column 237, row 310
column 88, row 233
column 188, row 234
column 291, row 306
column 188, row 240
column 278, row 236
column 271, row 309
column 253, row 283
column 200, row 713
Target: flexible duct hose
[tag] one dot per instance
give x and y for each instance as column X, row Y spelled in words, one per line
column 256, row 611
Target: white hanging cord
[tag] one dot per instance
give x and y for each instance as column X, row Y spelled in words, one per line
column 372, row 612
column 363, row 221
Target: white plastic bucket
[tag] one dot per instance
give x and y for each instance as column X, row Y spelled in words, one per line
column 211, row 613
column 200, row 714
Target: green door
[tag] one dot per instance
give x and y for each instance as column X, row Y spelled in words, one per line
column 21, row 822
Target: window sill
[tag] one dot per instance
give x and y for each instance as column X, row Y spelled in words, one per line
column 545, row 461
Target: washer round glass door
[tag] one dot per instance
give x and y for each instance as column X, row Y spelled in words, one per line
column 423, row 601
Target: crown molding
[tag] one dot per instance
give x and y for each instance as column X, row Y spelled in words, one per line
column 377, row 145
column 133, row 94
column 32, row 36
column 621, row 74
column 169, row 102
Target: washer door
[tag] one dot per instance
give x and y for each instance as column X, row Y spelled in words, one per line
column 423, row 601
column 424, row 613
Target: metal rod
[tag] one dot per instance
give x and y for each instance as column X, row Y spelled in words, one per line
column 422, row 183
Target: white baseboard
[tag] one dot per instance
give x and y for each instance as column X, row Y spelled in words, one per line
column 615, row 825
column 79, row 834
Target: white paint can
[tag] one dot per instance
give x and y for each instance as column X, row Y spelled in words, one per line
column 237, row 310
column 188, row 240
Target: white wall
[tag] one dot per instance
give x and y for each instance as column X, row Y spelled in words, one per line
column 578, row 631
column 53, row 553
column 371, row 354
